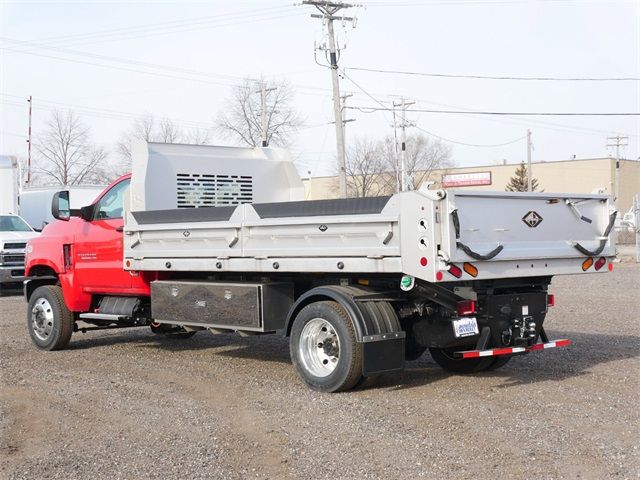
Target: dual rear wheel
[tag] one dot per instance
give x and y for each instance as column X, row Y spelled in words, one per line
column 323, row 348
column 446, row 359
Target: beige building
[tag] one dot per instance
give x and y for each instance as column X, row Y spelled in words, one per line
column 575, row 176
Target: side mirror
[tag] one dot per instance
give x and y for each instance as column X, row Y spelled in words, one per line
column 86, row 213
column 60, row 208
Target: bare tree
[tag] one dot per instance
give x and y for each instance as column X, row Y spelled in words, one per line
column 373, row 168
column 23, row 170
column 143, row 128
column 197, row 136
column 365, row 168
column 422, row 157
column 166, row 131
column 65, row 154
column 241, row 118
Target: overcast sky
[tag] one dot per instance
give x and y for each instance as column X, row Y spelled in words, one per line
column 201, row 49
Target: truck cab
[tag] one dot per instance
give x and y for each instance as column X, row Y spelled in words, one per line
column 83, row 250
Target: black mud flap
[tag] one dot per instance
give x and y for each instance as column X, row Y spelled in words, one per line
column 383, row 353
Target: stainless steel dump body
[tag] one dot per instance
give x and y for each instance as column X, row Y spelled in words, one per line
column 419, row 233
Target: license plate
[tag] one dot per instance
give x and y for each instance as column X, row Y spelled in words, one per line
column 465, row 327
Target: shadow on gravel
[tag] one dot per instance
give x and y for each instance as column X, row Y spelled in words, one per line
column 266, row 348
column 587, row 351
column 6, row 292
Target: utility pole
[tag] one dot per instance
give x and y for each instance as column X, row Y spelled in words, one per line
column 343, row 109
column 617, row 142
column 403, row 139
column 263, row 110
column 345, row 120
column 529, row 172
column 328, row 12
column 30, row 100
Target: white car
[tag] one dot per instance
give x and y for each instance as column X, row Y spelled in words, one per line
column 14, row 234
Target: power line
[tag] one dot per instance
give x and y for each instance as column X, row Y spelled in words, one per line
column 499, row 77
column 374, row 3
column 162, row 68
column 163, row 25
column 51, row 105
column 426, row 131
column 203, row 25
column 544, row 124
column 100, row 112
column 514, row 114
column 328, row 11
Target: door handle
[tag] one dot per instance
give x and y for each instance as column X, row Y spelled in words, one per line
column 120, row 228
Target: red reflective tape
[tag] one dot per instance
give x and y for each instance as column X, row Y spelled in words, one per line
column 502, row 351
column 513, row 350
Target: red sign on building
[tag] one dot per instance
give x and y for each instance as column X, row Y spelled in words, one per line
column 466, row 179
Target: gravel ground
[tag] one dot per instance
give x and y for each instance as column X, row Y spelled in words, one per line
column 128, row 404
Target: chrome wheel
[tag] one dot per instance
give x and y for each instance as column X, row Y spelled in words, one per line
column 42, row 318
column 319, row 347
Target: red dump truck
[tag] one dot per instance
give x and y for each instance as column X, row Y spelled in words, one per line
column 220, row 239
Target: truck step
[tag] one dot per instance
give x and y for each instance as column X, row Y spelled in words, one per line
column 102, row 316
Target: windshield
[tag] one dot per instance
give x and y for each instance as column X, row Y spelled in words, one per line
column 13, row 223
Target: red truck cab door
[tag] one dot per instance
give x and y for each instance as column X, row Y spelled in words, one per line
column 98, row 248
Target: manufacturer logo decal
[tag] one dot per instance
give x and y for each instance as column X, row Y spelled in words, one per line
column 532, row 219
column 323, row 228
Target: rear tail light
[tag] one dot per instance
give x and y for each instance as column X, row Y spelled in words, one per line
column 470, row 269
column 466, row 307
column 600, row 263
column 455, row 271
column 551, row 300
column 586, row 265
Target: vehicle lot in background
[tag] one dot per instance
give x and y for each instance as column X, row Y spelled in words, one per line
column 14, row 235
column 131, row 404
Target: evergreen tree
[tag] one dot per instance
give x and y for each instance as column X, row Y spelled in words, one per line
column 518, row 183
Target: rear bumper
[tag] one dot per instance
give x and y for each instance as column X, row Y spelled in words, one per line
column 512, row 350
column 11, row 274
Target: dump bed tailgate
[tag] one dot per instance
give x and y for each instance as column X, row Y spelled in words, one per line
column 516, row 226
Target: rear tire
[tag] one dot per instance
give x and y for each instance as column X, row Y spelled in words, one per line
column 49, row 321
column 444, row 358
column 412, row 349
column 499, row 362
column 323, row 348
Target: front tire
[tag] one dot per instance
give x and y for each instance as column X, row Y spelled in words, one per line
column 49, row 321
column 323, row 348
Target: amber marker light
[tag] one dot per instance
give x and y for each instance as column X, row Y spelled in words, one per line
column 470, row 269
